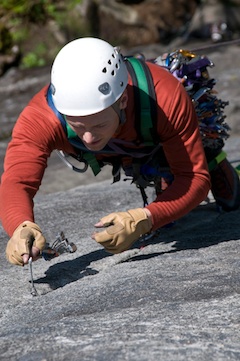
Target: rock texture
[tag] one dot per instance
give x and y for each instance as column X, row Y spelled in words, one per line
column 143, row 22
column 173, row 298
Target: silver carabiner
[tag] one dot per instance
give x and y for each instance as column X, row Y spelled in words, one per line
column 63, row 157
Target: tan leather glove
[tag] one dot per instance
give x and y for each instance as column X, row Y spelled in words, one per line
column 123, row 229
column 26, row 235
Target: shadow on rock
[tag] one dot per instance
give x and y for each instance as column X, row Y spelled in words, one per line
column 63, row 273
column 189, row 235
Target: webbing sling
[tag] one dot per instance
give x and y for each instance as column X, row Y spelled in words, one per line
column 145, row 101
column 146, row 108
column 218, row 159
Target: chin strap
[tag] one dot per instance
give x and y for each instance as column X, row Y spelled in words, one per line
column 120, row 112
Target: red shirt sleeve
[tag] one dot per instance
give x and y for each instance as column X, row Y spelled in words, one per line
column 36, row 133
column 179, row 133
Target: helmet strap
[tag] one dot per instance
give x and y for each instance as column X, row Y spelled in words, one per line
column 120, row 112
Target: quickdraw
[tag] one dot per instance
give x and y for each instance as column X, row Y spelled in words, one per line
column 191, row 70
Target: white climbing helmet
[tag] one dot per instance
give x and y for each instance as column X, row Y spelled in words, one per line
column 88, row 75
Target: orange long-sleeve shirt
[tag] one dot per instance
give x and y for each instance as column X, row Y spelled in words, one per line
column 38, row 132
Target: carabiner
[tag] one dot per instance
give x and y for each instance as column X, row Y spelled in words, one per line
column 63, row 157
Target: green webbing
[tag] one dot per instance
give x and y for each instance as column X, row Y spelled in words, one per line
column 92, row 161
column 218, row 159
column 146, row 119
column 70, row 131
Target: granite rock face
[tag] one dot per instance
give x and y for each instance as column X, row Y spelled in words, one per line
column 175, row 297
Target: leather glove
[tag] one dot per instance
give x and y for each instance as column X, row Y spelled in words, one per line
column 26, row 235
column 123, row 229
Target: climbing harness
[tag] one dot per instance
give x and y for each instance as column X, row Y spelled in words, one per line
column 192, row 71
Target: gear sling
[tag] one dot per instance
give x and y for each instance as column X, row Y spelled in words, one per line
column 144, row 170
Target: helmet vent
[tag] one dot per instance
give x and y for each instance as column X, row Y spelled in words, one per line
column 104, row 70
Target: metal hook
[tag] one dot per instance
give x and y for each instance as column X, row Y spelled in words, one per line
column 63, row 157
column 33, row 289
